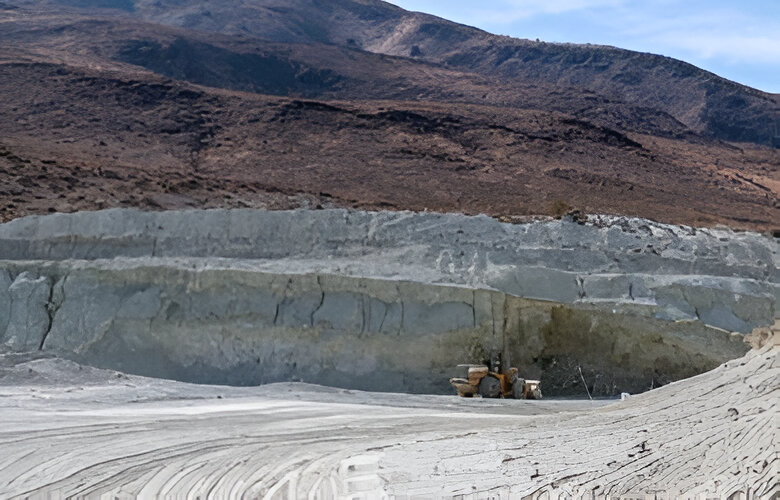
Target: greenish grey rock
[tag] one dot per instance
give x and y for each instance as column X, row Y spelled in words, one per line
column 26, row 314
column 5, row 301
column 199, row 321
column 382, row 300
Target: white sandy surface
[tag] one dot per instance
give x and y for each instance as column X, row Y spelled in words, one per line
column 73, row 431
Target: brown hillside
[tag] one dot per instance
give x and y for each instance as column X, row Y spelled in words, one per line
column 704, row 102
column 103, row 110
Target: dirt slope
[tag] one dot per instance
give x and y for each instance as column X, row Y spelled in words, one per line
column 102, row 110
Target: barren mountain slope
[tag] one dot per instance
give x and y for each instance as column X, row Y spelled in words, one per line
column 86, row 124
column 701, row 100
column 311, row 70
column 80, row 139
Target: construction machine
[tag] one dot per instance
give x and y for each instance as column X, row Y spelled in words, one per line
column 495, row 382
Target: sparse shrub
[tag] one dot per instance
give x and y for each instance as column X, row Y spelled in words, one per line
column 560, row 208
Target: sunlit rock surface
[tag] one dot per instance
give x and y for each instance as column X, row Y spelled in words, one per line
column 382, row 300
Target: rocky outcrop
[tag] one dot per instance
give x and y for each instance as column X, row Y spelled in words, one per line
column 734, row 275
column 24, row 310
column 381, row 301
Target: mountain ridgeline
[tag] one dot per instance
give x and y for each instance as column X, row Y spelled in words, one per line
column 702, row 101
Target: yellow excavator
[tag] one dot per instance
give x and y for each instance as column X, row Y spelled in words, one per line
column 482, row 381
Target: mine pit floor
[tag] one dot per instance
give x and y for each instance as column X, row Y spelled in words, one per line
column 71, row 430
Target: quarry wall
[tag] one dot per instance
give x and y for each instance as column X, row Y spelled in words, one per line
column 382, row 300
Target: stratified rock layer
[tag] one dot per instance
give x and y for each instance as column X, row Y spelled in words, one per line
column 381, row 301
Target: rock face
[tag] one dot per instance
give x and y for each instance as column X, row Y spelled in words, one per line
column 24, row 314
column 381, row 301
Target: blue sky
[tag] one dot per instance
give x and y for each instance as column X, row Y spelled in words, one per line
column 739, row 40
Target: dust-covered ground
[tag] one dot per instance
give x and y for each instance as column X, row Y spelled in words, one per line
column 75, row 431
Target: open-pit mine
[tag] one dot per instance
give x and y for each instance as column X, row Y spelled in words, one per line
column 249, row 313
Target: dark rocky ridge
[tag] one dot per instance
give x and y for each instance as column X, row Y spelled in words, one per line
column 214, row 66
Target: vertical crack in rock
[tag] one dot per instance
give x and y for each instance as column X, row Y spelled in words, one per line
column 631, row 291
column 401, row 302
column 691, row 303
column 363, row 306
column 403, row 319
column 474, row 308
column 322, row 301
column 506, row 362
column 163, row 305
column 281, row 302
column 493, row 318
column 53, row 304
column 384, row 317
column 581, row 287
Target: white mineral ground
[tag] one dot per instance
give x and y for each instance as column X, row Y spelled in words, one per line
column 69, row 430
